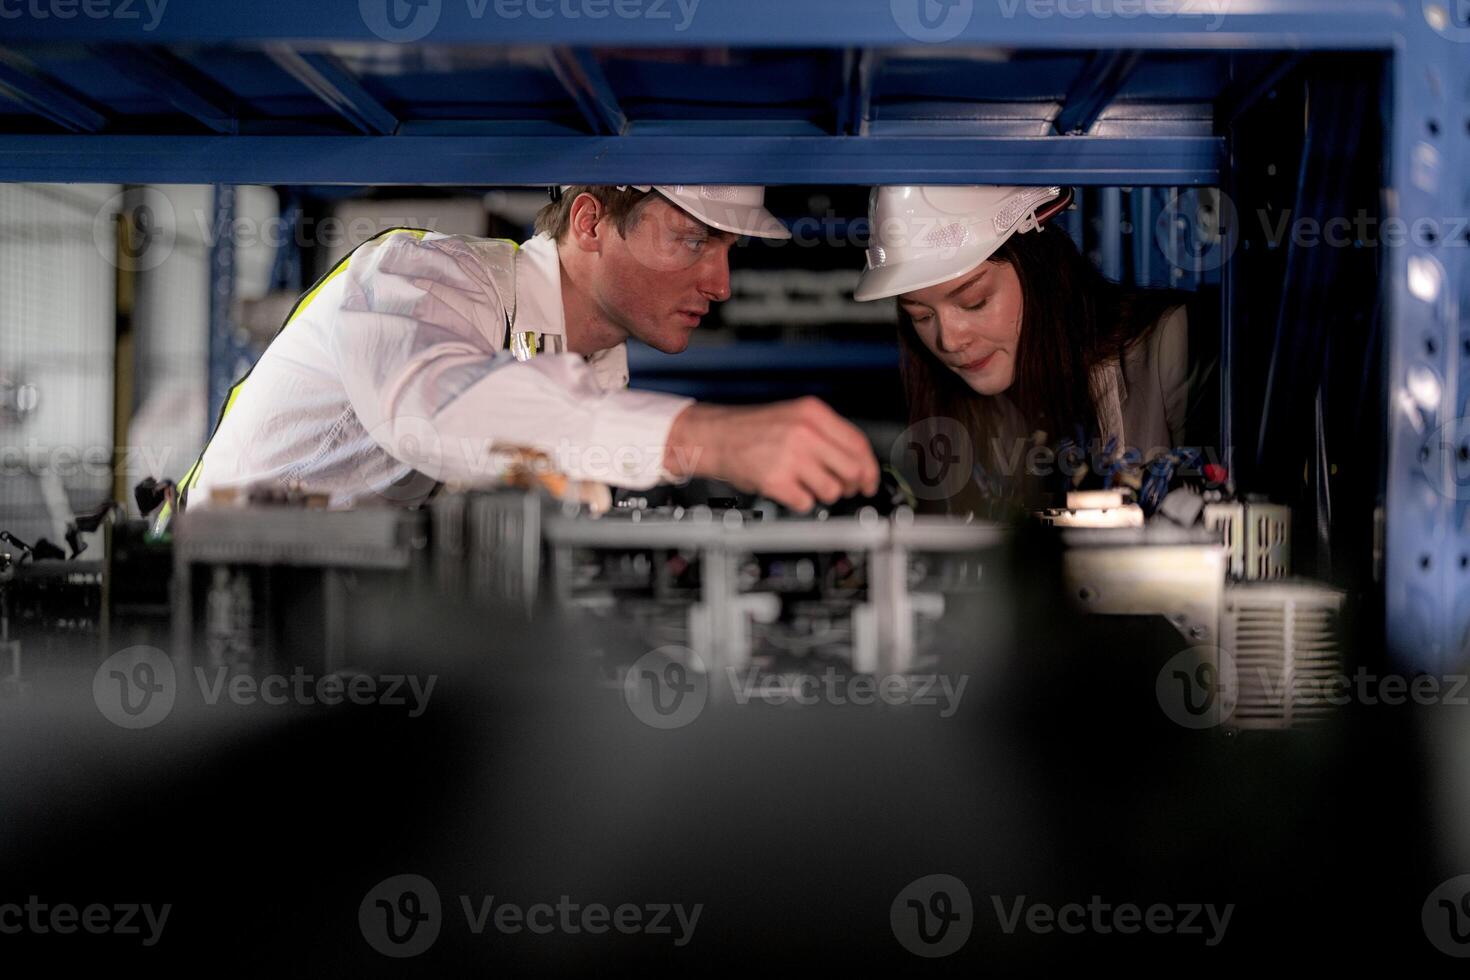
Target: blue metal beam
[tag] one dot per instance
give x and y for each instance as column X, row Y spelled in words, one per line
column 1093, row 90
column 229, row 359
column 167, row 76
column 860, row 67
column 583, row 78
column 537, row 161
column 585, row 83
column 1110, row 238
column 24, row 83
column 1426, row 571
column 1281, row 24
column 329, row 80
column 1249, row 86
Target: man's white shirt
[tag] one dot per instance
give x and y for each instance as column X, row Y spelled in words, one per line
column 395, row 375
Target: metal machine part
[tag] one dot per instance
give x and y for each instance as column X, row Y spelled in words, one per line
column 1160, row 570
column 237, row 570
column 850, row 593
column 1287, row 652
column 488, row 544
column 1257, row 538
column 1095, row 508
column 18, row 399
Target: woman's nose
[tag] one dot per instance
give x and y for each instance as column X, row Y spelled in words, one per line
column 952, row 337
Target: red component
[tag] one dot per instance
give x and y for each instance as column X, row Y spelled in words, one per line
column 1215, row 474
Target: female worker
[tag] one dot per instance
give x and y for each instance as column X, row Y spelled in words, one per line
column 1019, row 360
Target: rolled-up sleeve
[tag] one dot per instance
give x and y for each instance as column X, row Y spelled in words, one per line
column 418, row 345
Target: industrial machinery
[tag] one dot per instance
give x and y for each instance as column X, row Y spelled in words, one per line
column 261, row 588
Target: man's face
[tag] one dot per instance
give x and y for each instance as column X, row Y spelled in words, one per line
column 659, row 281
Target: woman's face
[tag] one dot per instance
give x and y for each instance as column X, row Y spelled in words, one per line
column 972, row 323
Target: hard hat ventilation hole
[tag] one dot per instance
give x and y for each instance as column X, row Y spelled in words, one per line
column 719, row 192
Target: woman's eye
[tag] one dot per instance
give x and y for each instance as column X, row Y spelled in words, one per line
column 695, row 244
column 978, row 306
column 920, row 317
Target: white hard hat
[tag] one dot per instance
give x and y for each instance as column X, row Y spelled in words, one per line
column 737, row 208
column 921, row 236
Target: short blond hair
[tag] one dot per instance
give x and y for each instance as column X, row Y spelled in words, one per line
column 623, row 206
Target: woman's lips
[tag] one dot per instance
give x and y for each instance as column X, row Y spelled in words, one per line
column 981, row 364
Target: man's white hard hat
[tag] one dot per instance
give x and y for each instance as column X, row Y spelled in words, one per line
column 737, row 208
column 922, row 236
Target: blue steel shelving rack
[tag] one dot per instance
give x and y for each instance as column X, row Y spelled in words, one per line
column 109, row 91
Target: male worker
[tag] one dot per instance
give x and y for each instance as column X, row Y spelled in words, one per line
column 421, row 356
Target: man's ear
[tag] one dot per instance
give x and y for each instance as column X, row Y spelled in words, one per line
column 585, row 225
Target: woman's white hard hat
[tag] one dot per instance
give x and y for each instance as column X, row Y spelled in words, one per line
column 921, row 236
column 737, row 208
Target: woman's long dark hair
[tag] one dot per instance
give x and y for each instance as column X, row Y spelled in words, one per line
column 1072, row 320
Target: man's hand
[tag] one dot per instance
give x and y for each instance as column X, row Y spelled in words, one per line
column 795, row 452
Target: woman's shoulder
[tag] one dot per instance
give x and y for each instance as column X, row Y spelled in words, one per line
column 1161, row 348
column 1162, row 374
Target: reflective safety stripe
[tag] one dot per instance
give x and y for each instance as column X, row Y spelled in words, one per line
column 191, row 478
